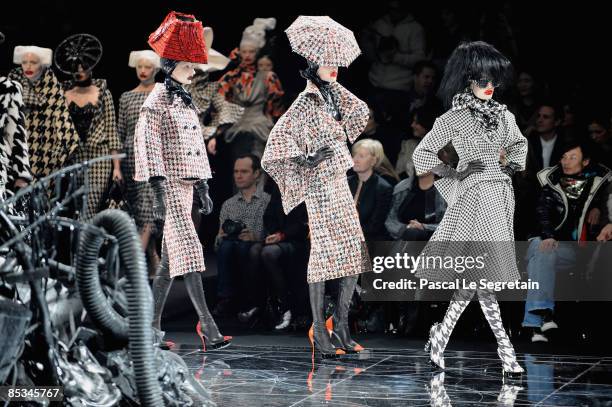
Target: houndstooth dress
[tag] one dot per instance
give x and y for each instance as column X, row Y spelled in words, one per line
column 479, row 217
column 139, row 193
column 337, row 242
column 101, row 140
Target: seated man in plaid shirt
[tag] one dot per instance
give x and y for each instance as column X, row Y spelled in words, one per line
column 240, row 240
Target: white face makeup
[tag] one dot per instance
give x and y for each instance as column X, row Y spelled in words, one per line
column 248, row 53
column 328, row 73
column 30, row 63
column 145, row 70
column 184, row 72
column 485, row 93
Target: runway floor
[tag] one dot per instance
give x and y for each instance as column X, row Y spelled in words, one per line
column 266, row 374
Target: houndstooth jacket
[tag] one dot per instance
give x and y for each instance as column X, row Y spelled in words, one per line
column 168, row 140
column 305, row 128
column 472, row 142
column 14, row 161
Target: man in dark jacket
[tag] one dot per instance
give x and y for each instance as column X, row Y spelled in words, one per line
column 545, row 149
column 284, row 257
column 416, row 209
column 571, row 202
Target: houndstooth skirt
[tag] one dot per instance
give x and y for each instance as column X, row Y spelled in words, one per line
column 185, row 253
column 338, row 246
column 478, row 223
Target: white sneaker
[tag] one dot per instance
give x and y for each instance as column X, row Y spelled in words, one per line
column 538, row 337
column 286, row 320
column 549, row 325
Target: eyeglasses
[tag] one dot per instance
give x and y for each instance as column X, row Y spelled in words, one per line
column 484, row 82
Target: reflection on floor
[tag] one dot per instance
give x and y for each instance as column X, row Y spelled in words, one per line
column 285, row 376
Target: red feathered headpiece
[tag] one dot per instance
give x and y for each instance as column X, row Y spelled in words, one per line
column 180, row 37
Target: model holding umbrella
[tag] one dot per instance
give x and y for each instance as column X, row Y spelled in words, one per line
column 307, row 156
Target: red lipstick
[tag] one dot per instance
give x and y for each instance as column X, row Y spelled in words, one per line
column 488, row 92
column 333, row 74
column 29, row 72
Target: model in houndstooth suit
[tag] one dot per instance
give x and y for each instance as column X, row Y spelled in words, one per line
column 307, row 156
column 479, row 193
column 170, row 154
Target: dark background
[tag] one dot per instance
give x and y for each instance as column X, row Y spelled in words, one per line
column 567, row 46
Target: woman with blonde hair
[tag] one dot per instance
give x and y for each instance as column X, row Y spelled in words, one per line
column 371, row 193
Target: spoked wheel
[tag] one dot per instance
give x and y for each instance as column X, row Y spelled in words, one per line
column 82, row 50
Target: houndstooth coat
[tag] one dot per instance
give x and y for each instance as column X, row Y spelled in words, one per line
column 480, row 213
column 52, row 138
column 13, row 146
column 337, row 241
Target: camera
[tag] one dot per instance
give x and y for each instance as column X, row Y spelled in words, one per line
column 232, row 228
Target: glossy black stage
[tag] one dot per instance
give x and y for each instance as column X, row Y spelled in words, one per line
column 255, row 372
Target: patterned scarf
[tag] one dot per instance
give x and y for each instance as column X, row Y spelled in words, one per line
column 574, row 185
column 486, row 112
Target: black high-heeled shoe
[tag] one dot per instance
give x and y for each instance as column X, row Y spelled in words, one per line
column 343, row 336
column 317, row 336
column 219, row 342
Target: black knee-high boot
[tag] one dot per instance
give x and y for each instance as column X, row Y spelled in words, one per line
column 338, row 324
column 160, row 289
column 318, row 335
column 206, row 328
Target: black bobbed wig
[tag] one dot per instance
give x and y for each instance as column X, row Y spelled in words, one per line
column 473, row 60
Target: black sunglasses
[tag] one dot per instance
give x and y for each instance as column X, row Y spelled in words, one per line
column 484, row 82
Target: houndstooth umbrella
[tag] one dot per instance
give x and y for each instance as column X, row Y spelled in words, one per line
column 323, row 41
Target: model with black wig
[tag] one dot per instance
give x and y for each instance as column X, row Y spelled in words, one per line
column 480, row 213
column 473, row 61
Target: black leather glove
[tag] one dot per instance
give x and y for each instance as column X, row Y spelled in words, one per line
column 158, row 185
column 446, row 171
column 509, row 169
column 201, row 188
column 312, row 160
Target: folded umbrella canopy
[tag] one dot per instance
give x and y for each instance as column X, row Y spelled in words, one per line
column 323, row 41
